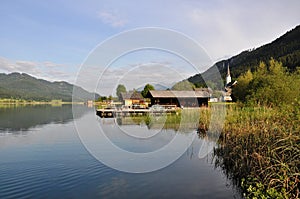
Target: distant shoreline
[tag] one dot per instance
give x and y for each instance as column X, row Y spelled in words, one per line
column 36, row 103
column 26, row 102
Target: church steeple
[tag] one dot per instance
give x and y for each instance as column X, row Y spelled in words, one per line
column 228, row 77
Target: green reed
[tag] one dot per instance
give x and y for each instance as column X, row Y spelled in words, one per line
column 259, row 148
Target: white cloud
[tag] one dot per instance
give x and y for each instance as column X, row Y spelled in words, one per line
column 220, row 31
column 51, row 64
column 225, row 28
column 7, row 65
column 112, row 18
column 45, row 70
column 94, row 78
column 27, row 64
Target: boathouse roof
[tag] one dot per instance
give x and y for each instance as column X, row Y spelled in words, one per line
column 133, row 95
column 177, row 94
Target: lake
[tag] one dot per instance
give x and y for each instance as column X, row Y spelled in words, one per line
column 42, row 156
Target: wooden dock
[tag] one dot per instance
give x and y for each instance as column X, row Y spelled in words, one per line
column 107, row 113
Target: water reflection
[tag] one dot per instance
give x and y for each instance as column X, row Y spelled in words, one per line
column 175, row 125
column 53, row 163
column 141, row 121
column 21, row 118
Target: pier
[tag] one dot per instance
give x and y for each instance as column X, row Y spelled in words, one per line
column 130, row 112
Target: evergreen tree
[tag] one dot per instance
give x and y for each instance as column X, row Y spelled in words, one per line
column 147, row 88
column 120, row 89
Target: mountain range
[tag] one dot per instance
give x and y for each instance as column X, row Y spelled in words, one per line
column 24, row 86
column 285, row 49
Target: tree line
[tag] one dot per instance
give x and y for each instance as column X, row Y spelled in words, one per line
column 270, row 84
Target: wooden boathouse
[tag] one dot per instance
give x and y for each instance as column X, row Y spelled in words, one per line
column 179, row 98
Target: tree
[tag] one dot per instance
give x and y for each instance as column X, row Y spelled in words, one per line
column 184, row 85
column 120, row 89
column 242, row 88
column 101, row 99
column 147, row 88
column 270, row 86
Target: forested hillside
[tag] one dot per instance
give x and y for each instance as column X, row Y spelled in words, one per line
column 285, row 49
column 24, row 86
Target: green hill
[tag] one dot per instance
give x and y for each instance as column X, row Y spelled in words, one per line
column 24, row 86
column 285, row 49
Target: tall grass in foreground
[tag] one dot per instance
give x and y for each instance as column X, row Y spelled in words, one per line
column 259, row 149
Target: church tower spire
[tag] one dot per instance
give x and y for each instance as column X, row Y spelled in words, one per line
column 228, row 77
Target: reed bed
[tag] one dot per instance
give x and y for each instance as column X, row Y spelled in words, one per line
column 259, row 149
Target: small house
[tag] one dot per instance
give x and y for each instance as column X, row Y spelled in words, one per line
column 132, row 98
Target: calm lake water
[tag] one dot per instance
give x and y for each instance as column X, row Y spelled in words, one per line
column 41, row 156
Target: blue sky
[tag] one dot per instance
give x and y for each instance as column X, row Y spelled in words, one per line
column 50, row 39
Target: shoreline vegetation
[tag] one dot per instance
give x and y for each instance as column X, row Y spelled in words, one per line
column 259, row 147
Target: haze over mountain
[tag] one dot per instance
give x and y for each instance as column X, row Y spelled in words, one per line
column 157, row 87
column 24, row 86
column 285, row 49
